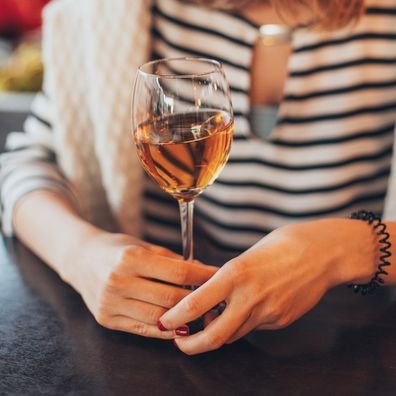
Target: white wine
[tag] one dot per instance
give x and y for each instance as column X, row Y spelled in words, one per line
column 184, row 153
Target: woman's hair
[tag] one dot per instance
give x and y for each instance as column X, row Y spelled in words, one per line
column 327, row 14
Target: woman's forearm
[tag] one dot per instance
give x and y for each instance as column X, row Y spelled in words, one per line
column 48, row 224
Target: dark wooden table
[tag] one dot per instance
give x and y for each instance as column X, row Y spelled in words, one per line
column 50, row 345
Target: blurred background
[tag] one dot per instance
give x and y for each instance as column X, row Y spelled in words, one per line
column 21, row 69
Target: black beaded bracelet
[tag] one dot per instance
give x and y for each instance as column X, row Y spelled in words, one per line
column 380, row 229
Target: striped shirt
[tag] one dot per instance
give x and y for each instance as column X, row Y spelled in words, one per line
column 328, row 154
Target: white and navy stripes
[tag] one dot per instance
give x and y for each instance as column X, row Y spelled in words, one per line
column 331, row 149
column 329, row 153
column 29, row 162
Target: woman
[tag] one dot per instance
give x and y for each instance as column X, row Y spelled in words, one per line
column 329, row 153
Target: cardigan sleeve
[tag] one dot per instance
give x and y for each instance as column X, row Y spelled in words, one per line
column 29, row 163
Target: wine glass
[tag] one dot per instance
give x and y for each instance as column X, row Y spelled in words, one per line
column 183, row 125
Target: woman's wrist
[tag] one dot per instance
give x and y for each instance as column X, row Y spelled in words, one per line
column 344, row 250
column 355, row 250
column 72, row 260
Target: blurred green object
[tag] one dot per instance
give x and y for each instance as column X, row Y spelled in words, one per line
column 23, row 72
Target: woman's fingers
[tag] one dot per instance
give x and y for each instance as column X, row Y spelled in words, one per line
column 129, row 325
column 198, row 303
column 133, row 303
column 155, row 293
column 139, row 310
column 163, row 251
column 172, row 270
column 216, row 333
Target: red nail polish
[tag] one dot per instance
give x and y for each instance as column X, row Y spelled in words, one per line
column 161, row 326
column 182, row 331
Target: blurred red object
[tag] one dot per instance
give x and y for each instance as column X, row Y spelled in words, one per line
column 19, row 16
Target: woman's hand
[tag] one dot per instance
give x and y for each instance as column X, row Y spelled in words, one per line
column 276, row 281
column 117, row 276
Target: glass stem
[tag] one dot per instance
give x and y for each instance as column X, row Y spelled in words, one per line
column 186, row 218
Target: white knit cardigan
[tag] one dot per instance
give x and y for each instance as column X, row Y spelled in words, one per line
column 92, row 49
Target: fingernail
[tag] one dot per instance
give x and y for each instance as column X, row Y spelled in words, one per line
column 182, row 331
column 161, row 326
